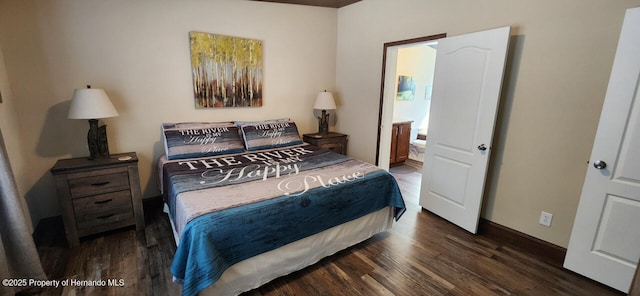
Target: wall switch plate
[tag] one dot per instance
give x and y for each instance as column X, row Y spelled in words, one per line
column 545, row 218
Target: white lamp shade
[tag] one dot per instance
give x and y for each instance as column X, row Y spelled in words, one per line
column 91, row 103
column 324, row 101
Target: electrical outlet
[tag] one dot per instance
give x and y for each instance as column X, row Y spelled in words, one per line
column 545, row 218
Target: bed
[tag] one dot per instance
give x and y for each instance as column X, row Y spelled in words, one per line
column 250, row 202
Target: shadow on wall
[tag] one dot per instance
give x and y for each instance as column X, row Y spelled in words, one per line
column 512, row 68
column 153, row 184
column 40, row 206
column 61, row 136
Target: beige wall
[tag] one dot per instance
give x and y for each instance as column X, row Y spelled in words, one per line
column 560, row 59
column 138, row 51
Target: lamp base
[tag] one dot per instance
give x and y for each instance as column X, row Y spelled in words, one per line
column 97, row 140
column 323, row 123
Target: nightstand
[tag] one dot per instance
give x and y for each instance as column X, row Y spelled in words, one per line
column 335, row 142
column 98, row 195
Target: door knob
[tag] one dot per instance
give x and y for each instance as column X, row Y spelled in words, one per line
column 482, row 147
column 599, row 164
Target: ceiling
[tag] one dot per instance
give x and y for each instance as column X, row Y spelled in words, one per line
column 323, row 3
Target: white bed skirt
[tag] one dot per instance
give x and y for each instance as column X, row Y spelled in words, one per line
column 259, row 270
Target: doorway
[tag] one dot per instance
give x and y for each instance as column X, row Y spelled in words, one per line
column 467, row 82
column 410, row 60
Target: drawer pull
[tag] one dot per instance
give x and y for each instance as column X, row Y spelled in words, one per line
column 105, row 216
column 100, row 183
column 103, row 201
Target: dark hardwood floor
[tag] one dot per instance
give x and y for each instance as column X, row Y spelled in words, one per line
column 421, row 255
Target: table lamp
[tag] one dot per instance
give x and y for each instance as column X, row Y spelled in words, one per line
column 93, row 104
column 324, row 102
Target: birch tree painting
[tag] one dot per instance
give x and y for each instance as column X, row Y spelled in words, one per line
column 227, row 71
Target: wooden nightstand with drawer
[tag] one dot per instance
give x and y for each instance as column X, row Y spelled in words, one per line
column 335, row 142
column 98, row 195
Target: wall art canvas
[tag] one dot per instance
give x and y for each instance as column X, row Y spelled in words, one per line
column 406, row 88
column 227, row 70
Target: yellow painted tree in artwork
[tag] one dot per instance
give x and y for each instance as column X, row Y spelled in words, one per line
column 227, row 71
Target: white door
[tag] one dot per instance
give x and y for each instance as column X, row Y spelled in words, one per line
column 466, row 91
column 605, row 241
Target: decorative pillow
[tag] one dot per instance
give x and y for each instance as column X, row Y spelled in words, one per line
column 200, row 139
column 270, row 134
column 241, row 123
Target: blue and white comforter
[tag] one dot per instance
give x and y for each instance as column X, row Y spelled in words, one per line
column 232, row 207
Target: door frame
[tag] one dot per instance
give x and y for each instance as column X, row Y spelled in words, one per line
column 384, row 66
